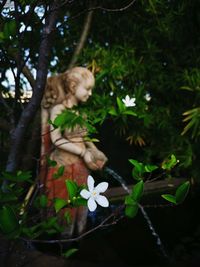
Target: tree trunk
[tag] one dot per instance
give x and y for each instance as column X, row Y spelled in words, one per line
column 17, row 134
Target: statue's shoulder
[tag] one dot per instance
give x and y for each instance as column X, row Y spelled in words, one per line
column 57, row 109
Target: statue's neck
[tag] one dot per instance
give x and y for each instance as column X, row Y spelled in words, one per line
column 70, row 102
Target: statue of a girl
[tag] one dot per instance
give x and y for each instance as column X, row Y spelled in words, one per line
column 68, row 148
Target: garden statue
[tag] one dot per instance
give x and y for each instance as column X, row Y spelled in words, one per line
column 68, row 148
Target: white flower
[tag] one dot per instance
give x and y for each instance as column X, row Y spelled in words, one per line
column 129, row 102
column 147, row 96
column 93, row 195
column 9, row 4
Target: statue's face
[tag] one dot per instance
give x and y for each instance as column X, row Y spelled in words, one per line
column 83, row 91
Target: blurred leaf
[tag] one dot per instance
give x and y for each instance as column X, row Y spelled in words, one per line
column 43, row 201
column 7, row 197
column 193, row 116
column 71, row 188
column 8, row 220
column 59, row 172
column 67, row 216
column 129, row 200
column 59, row 203
column 20, row 176
column 121, row 105
column 131, row 210
column 150, row 168
column 69, row 252
column 182, row 192
column 79, row 201
column 9, row 29
column 169, row 163
column 137, row 191
column 51, row 163
column 169, row 198
column 138, row 165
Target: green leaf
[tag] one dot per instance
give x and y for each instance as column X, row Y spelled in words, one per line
column 59, row 203
column 51, row 163
column 72, row 188
column 59, row 172
column 129, row 112
column 129, row 200
column 43, row 201
column 112, row 112
column 9, row 29
column 2, row 37
column 169, row 163
column 169, row 198
column 67, row 217
column 20, row 176
column 79, row 201
column 8, row 220
column 182, row 192
column 137, row 191
column 7, row 197
column 150, row 168
column 136, row 175
column 121, row 105
column 69, row 252
column 138, row 165
column 131, row 210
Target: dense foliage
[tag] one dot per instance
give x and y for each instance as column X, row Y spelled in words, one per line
column 149, row 51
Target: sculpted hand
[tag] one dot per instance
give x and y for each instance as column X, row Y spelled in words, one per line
column 94, row 159
column 90, row 160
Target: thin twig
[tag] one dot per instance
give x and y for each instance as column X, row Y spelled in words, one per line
column 82, row 39
column 105, row 9
column 101, row 225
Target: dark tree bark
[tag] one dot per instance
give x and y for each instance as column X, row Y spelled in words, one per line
column 17, row 134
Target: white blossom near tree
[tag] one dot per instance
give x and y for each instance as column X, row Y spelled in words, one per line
column 93, row 194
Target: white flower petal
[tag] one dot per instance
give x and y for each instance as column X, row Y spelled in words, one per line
column 127, row 98
column 90, row 183
column 85, row 194
column 102, row 201
column 91, row 204
column 102, row 187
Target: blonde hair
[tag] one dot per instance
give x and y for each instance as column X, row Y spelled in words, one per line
column 59, row 86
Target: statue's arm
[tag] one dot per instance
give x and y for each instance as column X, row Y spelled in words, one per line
column 57, row 138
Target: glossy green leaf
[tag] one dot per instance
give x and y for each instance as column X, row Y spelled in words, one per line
column 71, row 188
column 138, row 165
column 59, row 203
column 169, row 198
column 150, row 168
column 129, row 200
column 136, row 175
column 79, row 201
column 131, row 210
column 137, row 191
column 182, row 192
column 169, row 163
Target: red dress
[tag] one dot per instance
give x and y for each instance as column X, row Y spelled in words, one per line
column 56, row 188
